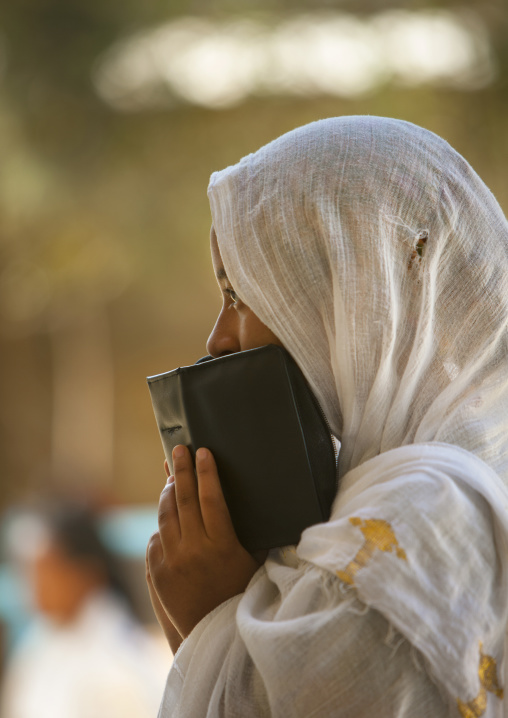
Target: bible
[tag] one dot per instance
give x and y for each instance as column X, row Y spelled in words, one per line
column 256, row 413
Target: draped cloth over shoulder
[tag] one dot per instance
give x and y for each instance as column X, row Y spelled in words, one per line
column 380, row 260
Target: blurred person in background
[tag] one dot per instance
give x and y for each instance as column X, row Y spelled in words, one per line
column 85, row 655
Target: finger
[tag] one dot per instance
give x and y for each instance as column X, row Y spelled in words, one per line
column 169, row 522
column 154, row 597
column 187, row 498
column 166, row 468
column 154, row 561
column 164, row 620
column 216, row 518
column 154, row 554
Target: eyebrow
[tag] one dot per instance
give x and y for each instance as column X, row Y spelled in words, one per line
column 221, row 274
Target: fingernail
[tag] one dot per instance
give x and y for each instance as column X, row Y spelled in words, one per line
column 178, row 451
column 201, row 454
column 170, row 480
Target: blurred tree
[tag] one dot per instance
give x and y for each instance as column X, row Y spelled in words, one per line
column 103, row 223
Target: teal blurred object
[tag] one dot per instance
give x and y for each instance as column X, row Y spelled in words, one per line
column 14, row 606
column 126, row 530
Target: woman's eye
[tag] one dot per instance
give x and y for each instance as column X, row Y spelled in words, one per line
column 232, row 295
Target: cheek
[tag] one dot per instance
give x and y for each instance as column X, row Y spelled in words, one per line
column 253, row 333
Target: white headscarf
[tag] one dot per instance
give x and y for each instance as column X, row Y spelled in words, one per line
column 380, row 260
column 321, row 233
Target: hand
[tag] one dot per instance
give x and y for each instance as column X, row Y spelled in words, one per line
column 195, row 560
column 172, row 636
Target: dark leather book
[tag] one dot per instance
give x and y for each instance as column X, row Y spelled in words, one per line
column 256, row 413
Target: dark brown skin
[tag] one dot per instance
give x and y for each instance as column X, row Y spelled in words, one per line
column 195, row 561
column 237, row 327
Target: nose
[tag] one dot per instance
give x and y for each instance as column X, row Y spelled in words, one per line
column 224, row 337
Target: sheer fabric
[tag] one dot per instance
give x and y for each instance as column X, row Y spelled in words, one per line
column 380, row 260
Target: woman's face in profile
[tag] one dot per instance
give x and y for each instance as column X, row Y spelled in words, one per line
column 237, row 327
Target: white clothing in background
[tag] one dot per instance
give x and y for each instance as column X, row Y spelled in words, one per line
column 103, row 665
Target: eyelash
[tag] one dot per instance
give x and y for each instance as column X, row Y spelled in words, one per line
column 232, row 295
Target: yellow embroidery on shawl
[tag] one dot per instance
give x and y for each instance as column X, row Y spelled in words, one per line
column 379, row 536
column 487, row 672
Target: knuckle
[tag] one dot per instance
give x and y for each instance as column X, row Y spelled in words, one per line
column 164, row 517
column 154, row 539
column 167, row 492
column 178, row 465
column 166, row 501
column 190, row 565
column 181, row 462
column 185, row 499
column 153, row 549
column 208, row 473
column 195, row 556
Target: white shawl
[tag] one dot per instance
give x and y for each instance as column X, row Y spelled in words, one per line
column 380, row 260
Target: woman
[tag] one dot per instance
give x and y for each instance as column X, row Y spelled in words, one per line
column 375, row 255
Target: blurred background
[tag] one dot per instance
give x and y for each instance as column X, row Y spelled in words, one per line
column 113, row 114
